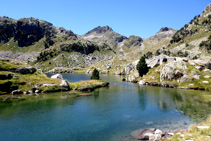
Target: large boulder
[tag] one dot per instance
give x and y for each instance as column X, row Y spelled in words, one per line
column 57, row 76
column 168, row 70
column 65, row 84
column 151, row 134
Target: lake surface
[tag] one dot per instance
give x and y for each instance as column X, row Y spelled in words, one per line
column 110, row 114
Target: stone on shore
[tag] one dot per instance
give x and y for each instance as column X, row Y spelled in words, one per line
column 147, row 134
column 57, row 76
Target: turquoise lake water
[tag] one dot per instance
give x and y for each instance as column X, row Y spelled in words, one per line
column 110, row 114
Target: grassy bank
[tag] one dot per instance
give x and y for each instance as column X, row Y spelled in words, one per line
column 195, row 133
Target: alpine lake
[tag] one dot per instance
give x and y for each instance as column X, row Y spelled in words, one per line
column 109, row 114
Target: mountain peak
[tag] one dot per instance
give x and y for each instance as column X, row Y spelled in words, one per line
column 164, row 32
column 164, row 29
column 100, row 30
column 208, row 8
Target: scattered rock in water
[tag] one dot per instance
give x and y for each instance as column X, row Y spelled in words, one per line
column 149, row 123
column 147, row 134
column 57, row 76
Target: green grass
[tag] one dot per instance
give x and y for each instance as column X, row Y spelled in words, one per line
column 194, row 133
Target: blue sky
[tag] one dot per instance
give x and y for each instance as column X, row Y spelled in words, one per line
column 128, row 17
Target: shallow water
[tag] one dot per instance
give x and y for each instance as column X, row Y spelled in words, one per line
column 109, row 114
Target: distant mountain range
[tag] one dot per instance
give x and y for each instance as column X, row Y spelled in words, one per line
column 40, row 43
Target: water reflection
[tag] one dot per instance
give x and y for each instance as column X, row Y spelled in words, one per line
column 109, row 114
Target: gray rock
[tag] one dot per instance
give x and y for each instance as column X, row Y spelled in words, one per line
column 167, row 71
column 206, row 76
column 197, row 76
column 65, row 84
column 205, row 82
column 193, row 72
column 158, row 60
column 151, row 134
column 130, row 78
column 57, row 76
column 200, row 68
column 184, row 78
column 17, row 92
column 37, row 91
column 141, row 82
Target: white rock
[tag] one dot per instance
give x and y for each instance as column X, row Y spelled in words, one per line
column 64, row 83
column 158, row 131
column 141, row 82
column 203, row 127
column 197, row 76
column 206, row 76
column 206, row 70
column 172, row 134
column 182, row 135
column 57, row 76
column 205, row 82
column 191, row 84
column 37, row 91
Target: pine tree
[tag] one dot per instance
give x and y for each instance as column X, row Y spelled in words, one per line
column 95, row 74
column 142, row 66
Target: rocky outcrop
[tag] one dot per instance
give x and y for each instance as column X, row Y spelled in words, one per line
column 57, row 76
column 20, row 56
column 168, row 71
column 159, row 60
column 65, row 84
column 61, row 70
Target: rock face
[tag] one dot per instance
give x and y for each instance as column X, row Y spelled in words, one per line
column 151, row 134
column 57, row 76
column 168, row 70
column 159, row 60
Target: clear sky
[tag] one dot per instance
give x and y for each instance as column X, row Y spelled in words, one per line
column 128, row 17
